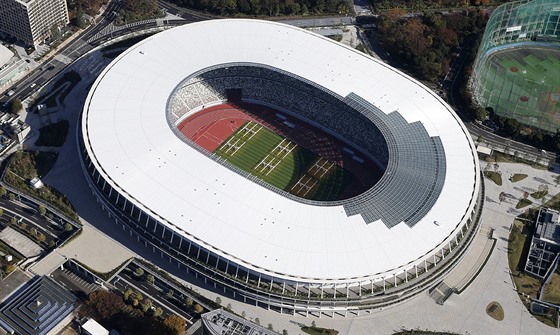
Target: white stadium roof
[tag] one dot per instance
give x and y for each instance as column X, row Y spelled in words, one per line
column 129, row 137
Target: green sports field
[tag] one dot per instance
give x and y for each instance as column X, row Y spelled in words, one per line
column 281, row 163
column 525, row 84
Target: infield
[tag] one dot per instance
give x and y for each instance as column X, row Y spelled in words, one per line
column 284, row 164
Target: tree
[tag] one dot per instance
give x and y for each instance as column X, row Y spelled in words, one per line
column 13, row 221
column 67, row 227
column 228, row 307
column 3, row 191
column 198, row 308
column 23, row 225
column 189, row 302
column 243, row 314
column 313, row 324
column 42, row 210
column 139, row 272
column 127, row 294
column 12, row 197
column 158, row 312
column 270, row 327
column 16, row 106
column 41, row 237
column 1, row 211
column 105, row 303
column 146, row 305
column 284, row 332
column 33, row 231
column 175, row 323
column 150, row 279
column 138, row 296
column 170, row 293
column 218, row 300
column 257, row 321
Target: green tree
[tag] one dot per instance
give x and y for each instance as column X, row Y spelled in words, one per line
column 13, row 221
column 127, row 294
column 41, row 237
column 33, row 231
column 138, row 296
column 67, row 227
column 1, row 211
column 284, row 332
column 16, row 106
column 188, row 302
column 23, row 225
column 139, row 272
column 218, row 300
column 257, row 321
column 42, row 210
column 158, row 312
column 3, row 191
column 228, row 307
column 243, row 314
column 146, row 305
column 313, row 324
column 12, row 197
column 198, row 308
column 150, row 279
column 170, row 293
column 270, row 327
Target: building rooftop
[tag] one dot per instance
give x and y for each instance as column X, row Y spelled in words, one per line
column 132, row 144
column 36, row 308
column 221, row 322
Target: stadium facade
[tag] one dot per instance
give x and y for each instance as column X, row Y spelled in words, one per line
column 517, row 69
column 258, row 243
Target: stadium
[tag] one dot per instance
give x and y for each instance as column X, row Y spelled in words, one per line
column 517, row 69
column 287, row 170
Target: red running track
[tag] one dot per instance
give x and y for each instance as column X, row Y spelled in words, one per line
column 212, row 126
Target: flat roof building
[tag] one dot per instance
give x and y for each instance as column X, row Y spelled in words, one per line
column 545, row 245
column 32, row 21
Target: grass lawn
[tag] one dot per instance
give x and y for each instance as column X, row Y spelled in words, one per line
column 516, row 245
column 319, row 331
column 8, row 250
column 495, row 310
column 523, row 203
column 551, row 292
column 24, row 166
column 517, row 177
column 553, row 203
column 53, row 135
column 539, row 194
column 283, row 164
column 494, row 176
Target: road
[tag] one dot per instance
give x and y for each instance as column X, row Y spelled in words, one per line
column 51, row 229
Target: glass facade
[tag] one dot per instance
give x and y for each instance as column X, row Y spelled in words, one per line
column 517, row 70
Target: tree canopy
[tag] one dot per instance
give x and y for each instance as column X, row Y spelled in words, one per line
column 268, row 7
